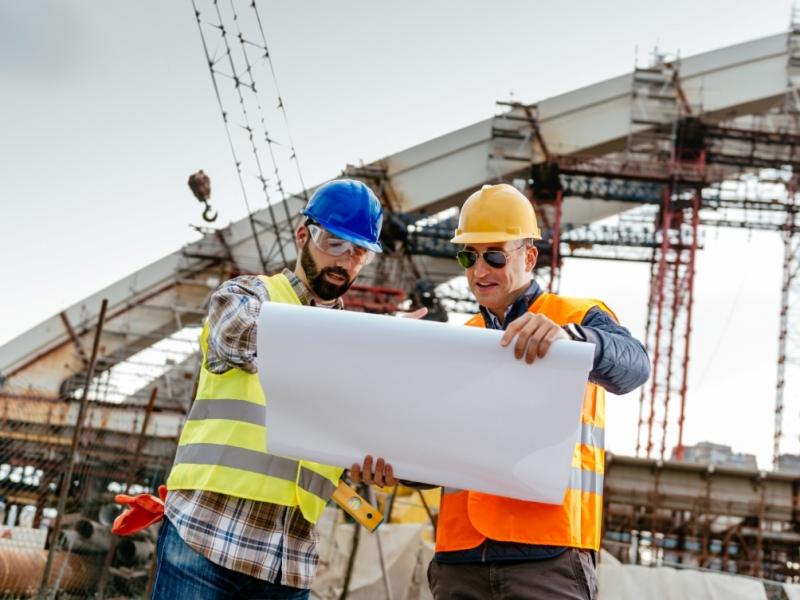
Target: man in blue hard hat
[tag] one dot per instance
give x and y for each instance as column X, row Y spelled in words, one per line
column 239, row 521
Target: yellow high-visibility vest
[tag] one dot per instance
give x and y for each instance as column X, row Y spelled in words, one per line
column 223, row 445
column 467, row 518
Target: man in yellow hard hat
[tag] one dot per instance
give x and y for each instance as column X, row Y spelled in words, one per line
column 493, row 547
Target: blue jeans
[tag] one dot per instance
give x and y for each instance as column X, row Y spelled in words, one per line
column 183, row 574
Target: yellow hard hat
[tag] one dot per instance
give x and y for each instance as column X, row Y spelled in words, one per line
column 496, row 213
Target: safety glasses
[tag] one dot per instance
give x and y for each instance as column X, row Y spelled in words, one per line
column 497, row 259
column 330, row 244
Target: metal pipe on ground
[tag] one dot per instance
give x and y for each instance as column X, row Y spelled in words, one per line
column 21, row 572
column 96, row 532
column 133, row 552
column 108, row 513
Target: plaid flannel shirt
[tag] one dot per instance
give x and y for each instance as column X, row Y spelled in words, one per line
column 267, row 541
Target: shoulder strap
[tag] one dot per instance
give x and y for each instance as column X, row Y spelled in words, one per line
column 280, row 289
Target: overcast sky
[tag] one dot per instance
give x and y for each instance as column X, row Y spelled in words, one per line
column 107, row 107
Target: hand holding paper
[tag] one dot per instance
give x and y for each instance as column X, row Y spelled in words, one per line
column 383, row 474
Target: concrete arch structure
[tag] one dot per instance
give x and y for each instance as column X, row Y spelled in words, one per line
column 595, row 120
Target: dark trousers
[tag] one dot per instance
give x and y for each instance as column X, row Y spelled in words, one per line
column 569, row 576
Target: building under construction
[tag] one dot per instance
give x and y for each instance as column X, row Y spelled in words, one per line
column 632, row 168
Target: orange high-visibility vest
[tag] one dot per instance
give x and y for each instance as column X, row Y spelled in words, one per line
column 468, row 518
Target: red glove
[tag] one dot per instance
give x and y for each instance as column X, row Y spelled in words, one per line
column 145, row 509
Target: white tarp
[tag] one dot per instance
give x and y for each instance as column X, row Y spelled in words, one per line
column 792, row 590
column 634, row 582
column 406, row 557
column 445, row 405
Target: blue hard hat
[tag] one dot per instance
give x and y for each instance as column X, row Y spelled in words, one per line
column 349, row 210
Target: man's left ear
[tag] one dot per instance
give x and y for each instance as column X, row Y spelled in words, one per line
column 531, row 254
column 301, row 236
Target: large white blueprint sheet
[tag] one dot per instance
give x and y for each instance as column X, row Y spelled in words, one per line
column 444, row 405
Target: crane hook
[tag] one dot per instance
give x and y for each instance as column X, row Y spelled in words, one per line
column 209, row 216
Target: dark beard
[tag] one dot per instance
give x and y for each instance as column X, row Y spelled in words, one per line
column 322, row 288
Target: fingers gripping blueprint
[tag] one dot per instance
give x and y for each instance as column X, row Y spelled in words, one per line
column 444, row 405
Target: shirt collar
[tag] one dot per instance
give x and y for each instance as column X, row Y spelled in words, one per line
column 519, row 307
column 304, row 294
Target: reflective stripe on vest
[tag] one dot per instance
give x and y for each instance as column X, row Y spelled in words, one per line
column 591, row 435
column 223, row 444
column 468, row 518
column 314, row 483
column 231, row 410
column 255, row 462
column 586, row 481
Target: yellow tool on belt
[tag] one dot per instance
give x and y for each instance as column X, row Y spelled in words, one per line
column 358, row 508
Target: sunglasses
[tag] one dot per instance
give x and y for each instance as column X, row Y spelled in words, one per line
column 497, row 259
